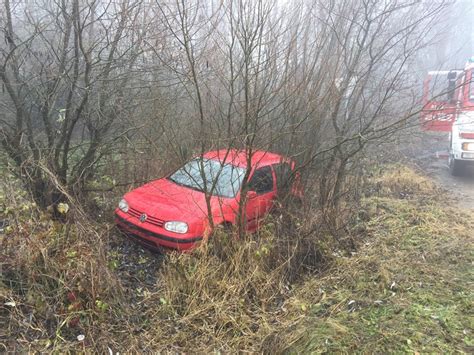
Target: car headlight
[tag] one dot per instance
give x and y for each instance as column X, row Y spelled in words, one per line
column 176, row 226
column 123, row 205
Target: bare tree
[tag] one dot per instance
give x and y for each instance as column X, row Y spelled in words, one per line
column 67, row 71
column 321, row 81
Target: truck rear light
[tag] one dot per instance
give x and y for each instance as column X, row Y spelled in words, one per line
column 467, row 155
column 468, row 146
column 466, row 135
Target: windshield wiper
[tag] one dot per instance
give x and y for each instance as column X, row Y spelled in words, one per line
column 184, row 185
column 173, row 180
column 195, row 188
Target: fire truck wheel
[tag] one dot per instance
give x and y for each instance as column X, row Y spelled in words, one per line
column 456, row 167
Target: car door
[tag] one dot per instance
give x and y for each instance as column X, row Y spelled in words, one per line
column 263, row 183
column 284, row 179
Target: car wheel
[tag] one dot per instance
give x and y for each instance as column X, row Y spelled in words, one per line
column 456, row 167
column 228, row 227
column 225, row 226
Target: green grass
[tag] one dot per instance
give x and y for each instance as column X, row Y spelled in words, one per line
column 408, row 289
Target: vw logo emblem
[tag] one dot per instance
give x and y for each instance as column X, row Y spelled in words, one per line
column 143, row 217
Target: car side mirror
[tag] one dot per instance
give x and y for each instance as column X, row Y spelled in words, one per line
column 251, row 194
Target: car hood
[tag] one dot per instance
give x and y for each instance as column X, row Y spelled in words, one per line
column 168, row 201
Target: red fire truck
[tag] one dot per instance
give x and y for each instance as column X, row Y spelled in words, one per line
column 448, row 106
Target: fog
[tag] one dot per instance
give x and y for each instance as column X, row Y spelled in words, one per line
column 322, row 80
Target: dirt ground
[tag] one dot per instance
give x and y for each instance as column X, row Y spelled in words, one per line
column 462, row 187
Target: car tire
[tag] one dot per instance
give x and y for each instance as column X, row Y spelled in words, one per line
column 227, row 227
column 456, row 167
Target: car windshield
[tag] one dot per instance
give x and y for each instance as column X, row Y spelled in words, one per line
column 221, row 179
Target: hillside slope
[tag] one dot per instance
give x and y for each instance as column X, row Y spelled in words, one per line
column 407, row 287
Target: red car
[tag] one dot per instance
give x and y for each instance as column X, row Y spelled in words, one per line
column 171, row 212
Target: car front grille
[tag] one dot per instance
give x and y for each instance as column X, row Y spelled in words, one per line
column 149, row 219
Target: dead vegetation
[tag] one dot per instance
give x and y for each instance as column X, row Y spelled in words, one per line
column 102, row 96
column 55, row 280
column 405, row 288
column 408, row 288
column 401, row 181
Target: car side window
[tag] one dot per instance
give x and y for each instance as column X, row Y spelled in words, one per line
column 284, row 176
column 262, row 180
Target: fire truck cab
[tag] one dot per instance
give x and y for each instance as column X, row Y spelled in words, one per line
column 448, row 106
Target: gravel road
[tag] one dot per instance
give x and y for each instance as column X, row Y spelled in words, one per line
column 461, row 187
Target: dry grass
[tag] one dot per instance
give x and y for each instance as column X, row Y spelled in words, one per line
column 401, row 181
column 408, row 288
column 55, row 282
column 287, row 288
column 230, row 294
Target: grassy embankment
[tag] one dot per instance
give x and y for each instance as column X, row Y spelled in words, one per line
column 408, row 286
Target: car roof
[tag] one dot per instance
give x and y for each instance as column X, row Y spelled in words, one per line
column 237, row 157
